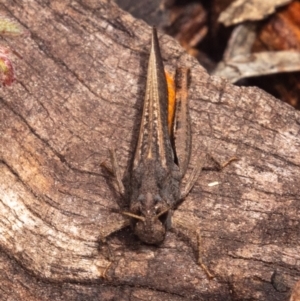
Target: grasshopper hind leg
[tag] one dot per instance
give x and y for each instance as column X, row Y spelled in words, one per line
column 181, row 131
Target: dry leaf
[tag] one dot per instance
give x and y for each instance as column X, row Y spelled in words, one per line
column 282, row 31
column 241, row 41
column 249, row 10
column 257, row 64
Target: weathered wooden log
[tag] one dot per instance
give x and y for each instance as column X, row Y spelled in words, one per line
column 79, row 90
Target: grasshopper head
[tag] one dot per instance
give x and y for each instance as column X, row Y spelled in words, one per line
column 149, row 219
column 151, row 230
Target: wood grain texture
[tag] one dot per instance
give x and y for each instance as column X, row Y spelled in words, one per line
column 79, row 90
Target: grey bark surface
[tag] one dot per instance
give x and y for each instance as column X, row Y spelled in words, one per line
column 79, row 90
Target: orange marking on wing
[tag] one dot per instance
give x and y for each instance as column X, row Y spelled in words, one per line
column 171, row 100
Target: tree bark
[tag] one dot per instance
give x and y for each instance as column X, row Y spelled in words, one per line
column 79, row 91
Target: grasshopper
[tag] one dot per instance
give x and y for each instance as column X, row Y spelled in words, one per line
column 161, row 156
